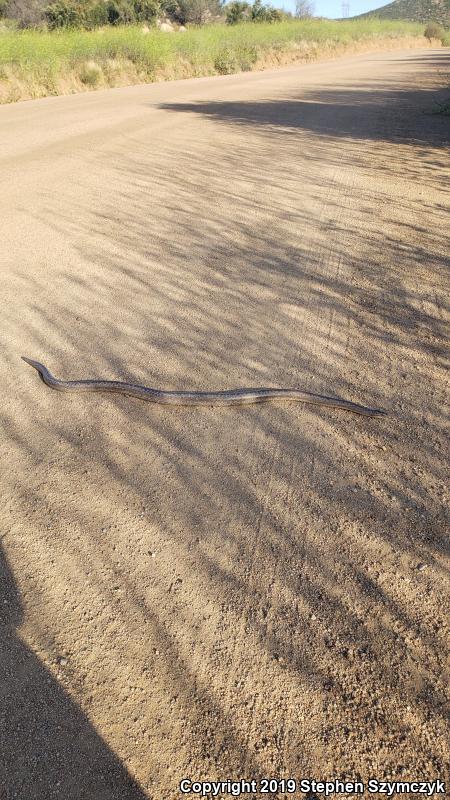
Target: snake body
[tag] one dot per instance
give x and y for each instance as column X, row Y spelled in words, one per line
column 230, row 397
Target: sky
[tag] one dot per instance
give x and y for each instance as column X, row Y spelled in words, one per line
column 333, row 8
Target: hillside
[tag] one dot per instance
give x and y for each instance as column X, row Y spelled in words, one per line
column 414, row 10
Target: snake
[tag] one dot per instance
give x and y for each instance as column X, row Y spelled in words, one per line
column 230, row 397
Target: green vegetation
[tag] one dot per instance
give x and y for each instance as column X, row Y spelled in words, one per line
column 414, row 10
column 89, row 14
column 38, row 63
column 435, row 31
column 240, row 11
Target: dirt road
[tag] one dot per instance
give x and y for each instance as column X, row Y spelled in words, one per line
column 222, row 593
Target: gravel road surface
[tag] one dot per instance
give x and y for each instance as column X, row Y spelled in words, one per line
column 225, row 593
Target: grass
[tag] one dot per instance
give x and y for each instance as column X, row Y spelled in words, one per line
column 37, row 63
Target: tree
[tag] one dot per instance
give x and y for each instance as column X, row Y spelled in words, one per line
column 262, row 13
column 238, row 11
column 304, row 9
column 64, row 14
column 119, row 12
column 27, row 13
column 197, row 12
column 146, row 10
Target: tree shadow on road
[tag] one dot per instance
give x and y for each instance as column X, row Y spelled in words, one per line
column 379, row 113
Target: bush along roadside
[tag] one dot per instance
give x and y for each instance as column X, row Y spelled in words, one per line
column 66, row 60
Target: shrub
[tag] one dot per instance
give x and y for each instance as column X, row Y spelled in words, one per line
column 226, row 62
column 258, row 11
column 237, row 12
column 274, row 14
column 196, row 12
column 170, row 8
column 96, row 15
column 119, row 12
column 262, row 13
column 247, row 57
column 72, row 14
column 26, row 13
column 434, row 31
column 146, row 10
column 90, row 74
column 240, row 11
column 64, row 14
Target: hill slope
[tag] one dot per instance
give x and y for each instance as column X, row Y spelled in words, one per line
column 414, row 10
